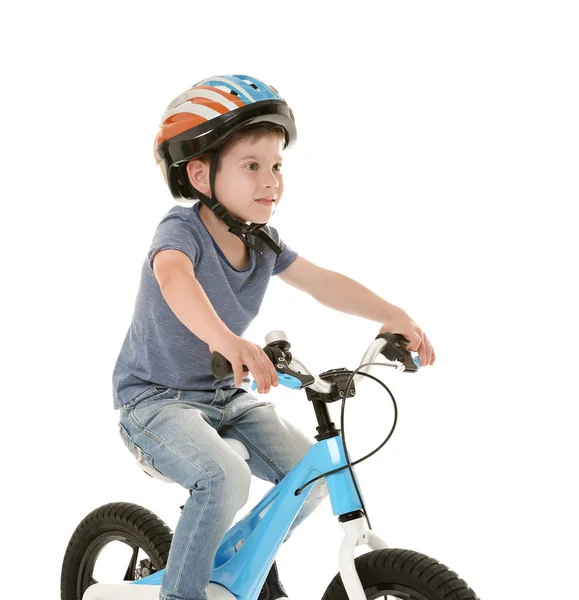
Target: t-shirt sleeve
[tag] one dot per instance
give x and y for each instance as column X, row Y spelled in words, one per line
column 174, row 233
column 287, row 256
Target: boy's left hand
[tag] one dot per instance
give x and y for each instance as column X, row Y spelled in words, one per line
column 401, row 323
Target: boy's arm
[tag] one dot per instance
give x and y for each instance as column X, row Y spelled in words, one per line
column 342, row 293
column 182, row 292
column 187, row 299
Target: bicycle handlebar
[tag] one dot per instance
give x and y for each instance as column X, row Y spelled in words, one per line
column 294, row 374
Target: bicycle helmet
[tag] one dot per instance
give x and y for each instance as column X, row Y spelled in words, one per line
column 199, row 120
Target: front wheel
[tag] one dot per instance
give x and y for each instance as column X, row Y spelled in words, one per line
column 397, row 573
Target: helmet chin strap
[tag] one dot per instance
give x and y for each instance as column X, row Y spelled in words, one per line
column 239, row 228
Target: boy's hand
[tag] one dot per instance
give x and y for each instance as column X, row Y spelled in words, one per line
column 240, row 352
column 400, row 322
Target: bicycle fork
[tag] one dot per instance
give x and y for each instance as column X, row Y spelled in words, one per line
column 356, row 534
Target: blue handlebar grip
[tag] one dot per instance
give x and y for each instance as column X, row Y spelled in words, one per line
column 416, row 362
column 284, row 379
column 289, row 381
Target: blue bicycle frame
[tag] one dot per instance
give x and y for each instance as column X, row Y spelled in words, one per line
column 248, row 549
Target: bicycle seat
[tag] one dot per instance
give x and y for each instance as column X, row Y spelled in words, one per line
column 238, row 447
column 235, row 445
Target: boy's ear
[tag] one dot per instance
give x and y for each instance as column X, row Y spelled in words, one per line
column 198, row 172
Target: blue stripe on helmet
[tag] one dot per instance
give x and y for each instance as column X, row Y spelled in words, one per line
column 265, row 92
column 250, row 95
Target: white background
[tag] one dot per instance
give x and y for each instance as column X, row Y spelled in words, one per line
column 436, row 164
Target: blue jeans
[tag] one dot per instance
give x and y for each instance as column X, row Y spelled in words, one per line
column 179, row 433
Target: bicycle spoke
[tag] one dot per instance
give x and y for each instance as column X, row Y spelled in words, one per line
column 130, row 574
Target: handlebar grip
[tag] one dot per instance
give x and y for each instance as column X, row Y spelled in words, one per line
column 221, row 367
column 396, row 350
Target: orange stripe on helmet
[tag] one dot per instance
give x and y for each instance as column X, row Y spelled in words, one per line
column 177, row 124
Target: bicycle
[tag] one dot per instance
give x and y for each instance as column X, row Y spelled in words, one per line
column 244, row 566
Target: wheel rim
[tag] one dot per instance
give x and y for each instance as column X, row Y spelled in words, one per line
column 86, row 574
column 393, row 591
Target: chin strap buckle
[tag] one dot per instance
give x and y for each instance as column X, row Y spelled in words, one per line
column 219, row 210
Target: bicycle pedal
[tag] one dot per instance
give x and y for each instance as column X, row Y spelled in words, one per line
column 266, row 594
column 272, row 588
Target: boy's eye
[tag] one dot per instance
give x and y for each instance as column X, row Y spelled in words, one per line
column 252, row 165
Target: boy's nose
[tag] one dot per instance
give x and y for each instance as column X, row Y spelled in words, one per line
column 270, row 180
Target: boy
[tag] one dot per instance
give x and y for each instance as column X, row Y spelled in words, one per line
column 202, row 284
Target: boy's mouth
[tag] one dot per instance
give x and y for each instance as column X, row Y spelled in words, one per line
column 265, row 201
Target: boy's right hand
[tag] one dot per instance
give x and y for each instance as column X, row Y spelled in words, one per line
column 241, row 352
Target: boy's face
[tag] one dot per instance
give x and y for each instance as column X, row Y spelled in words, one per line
column 250, row 170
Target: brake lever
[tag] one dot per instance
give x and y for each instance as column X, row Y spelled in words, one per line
column 395, row 349
column 221, row 368
column 286, row 375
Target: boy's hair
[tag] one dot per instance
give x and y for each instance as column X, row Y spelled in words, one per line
column 252, row 133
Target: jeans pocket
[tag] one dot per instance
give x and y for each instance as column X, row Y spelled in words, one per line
column 145, row 460
column 155, row 392
column 165, row 392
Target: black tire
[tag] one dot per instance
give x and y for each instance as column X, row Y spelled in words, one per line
column 131, row 524
column 403, row 574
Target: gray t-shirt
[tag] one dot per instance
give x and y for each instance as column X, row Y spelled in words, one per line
column 158, row 349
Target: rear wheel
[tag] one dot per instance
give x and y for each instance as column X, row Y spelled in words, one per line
column 116, row 542
column 397, row 573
